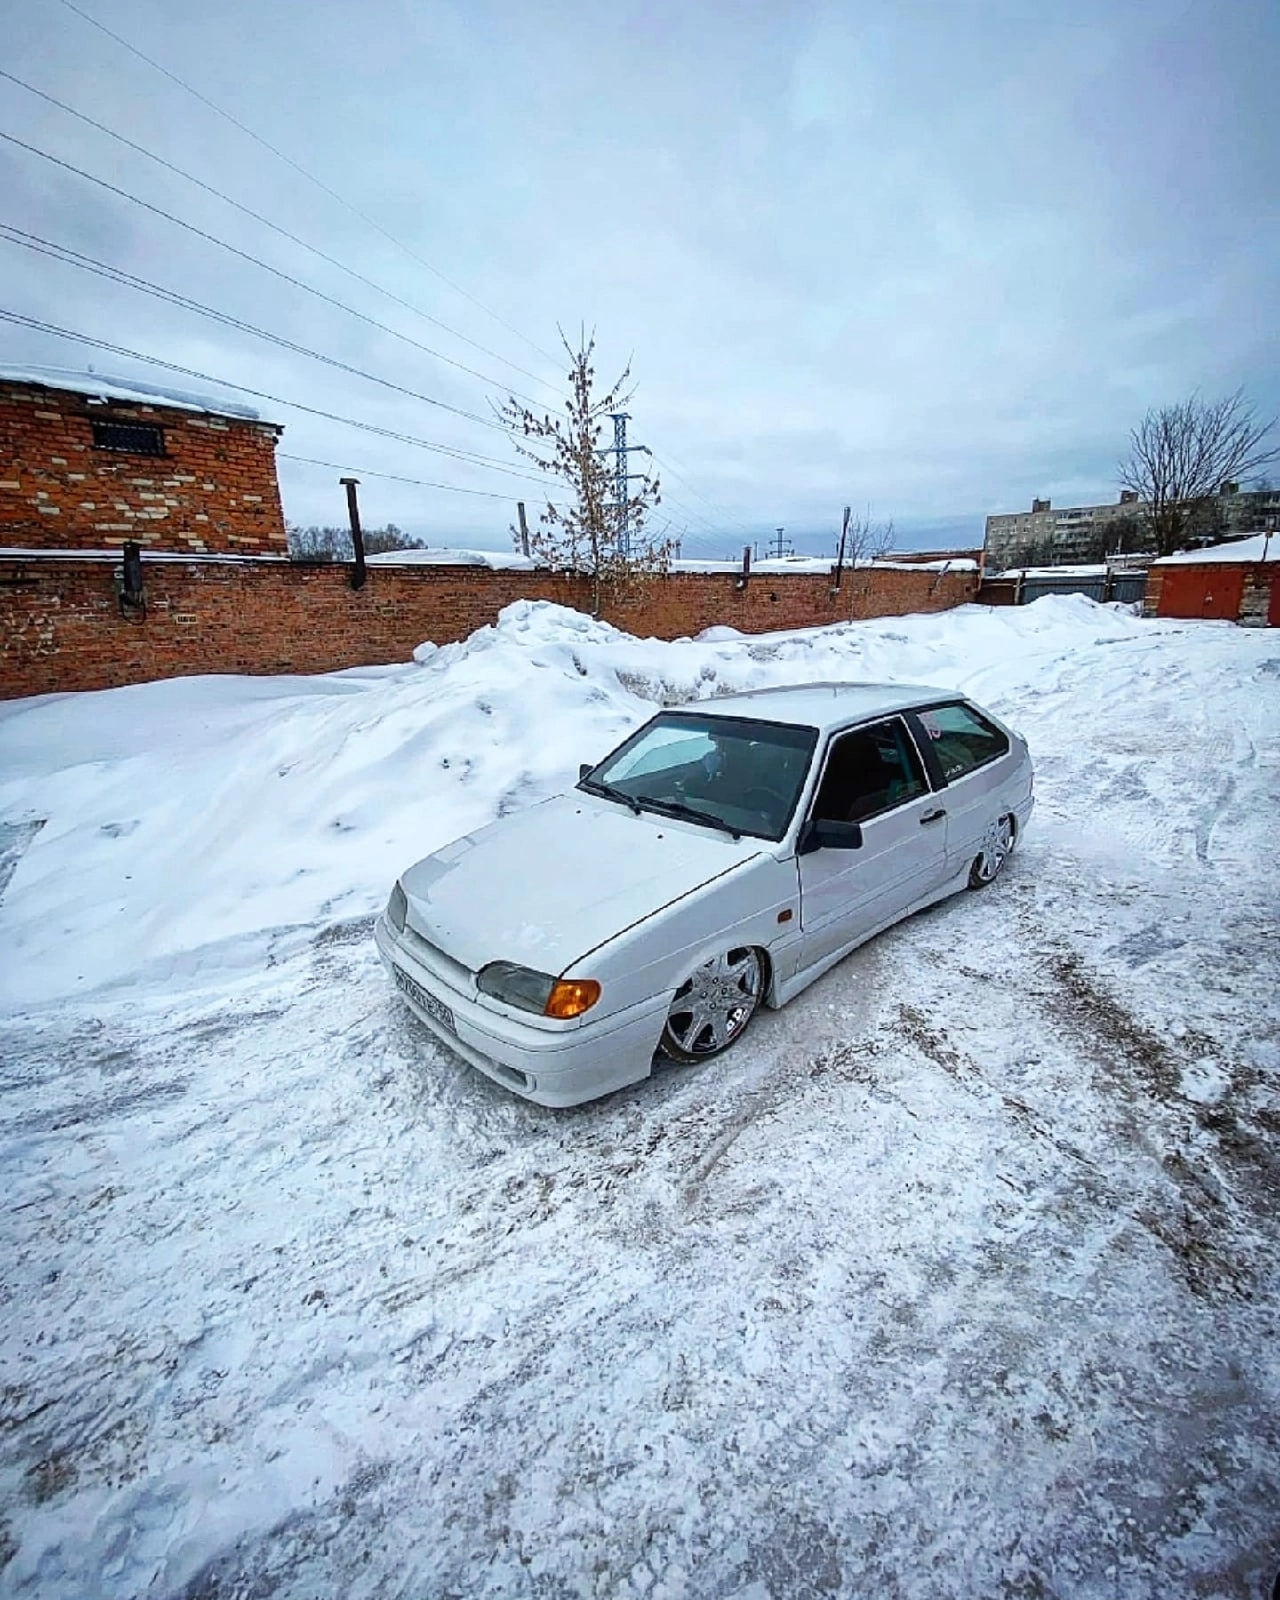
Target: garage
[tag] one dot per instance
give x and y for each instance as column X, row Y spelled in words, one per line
column 1237, row 582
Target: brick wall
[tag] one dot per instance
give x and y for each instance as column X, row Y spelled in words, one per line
column 61, row 628
column 214, row 489
column 688, row 602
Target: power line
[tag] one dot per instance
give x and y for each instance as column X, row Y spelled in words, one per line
column 309, row 176
column 292, row 238
column 256, row 261
column 102, row 269
column 395, row 477
column 469, row 458
column 266, row 222
column 89, row 177
column 666, row 464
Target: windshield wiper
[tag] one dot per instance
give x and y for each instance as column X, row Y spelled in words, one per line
column 677, row 808
column 594, row 786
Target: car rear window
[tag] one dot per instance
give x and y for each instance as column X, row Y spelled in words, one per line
column 962, row 739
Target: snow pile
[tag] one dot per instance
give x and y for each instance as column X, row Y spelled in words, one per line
column 181, row 817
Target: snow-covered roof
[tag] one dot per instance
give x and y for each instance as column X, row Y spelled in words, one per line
column 820, row 705
column 1261, row 547
column 102, row 386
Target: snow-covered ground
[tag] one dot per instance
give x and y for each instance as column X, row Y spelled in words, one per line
column 956, row 1277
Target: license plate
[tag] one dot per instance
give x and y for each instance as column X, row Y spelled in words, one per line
column 428, row 1002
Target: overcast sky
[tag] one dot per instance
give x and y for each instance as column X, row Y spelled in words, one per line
column 927, row 259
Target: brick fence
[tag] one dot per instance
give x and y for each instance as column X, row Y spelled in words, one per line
column 61, row 627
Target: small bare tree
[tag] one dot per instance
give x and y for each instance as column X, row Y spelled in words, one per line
column 863, row 542
column 1181, row 455
column 591, row 533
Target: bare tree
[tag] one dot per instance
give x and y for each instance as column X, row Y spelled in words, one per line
column 863, row 542
column 590, row 533
column 334, row 544
column 1181, row 455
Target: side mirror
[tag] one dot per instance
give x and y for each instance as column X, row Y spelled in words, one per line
column 584, row 768
column 820, row 835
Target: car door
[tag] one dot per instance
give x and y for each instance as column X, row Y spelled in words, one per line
column 872, row 775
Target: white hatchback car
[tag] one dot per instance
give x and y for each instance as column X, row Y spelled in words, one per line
column 726, row 854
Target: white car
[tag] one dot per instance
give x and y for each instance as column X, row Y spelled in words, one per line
column 726, row 854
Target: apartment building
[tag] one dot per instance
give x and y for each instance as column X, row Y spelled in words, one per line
column 1045, row 537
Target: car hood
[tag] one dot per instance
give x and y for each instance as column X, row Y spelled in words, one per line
column 545, row 886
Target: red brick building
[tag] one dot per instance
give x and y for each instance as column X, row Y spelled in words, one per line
column 87, row 463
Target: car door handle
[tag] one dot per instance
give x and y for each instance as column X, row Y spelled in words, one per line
column 933, row 816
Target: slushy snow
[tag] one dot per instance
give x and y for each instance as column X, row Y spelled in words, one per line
column 955, row 1277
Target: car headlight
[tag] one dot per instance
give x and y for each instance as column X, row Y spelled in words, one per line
column 397, row 908
column 537, row 991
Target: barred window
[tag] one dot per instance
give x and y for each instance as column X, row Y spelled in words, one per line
column 137, row 438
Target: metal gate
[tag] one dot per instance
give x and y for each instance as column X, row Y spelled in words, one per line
column 1128, row 587
column 1213, row 592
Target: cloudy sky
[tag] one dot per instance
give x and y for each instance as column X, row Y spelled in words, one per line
column 927, row 259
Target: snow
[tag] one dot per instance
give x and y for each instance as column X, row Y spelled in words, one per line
column 957, row 1276
column 1260, row 547
column 495, row 560
column 804, row 565
column 132, row 389
column 1118, row 564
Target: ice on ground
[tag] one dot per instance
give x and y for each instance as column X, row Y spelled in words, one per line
column 955, row 1277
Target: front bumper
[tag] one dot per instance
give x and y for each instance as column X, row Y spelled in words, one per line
column 551, row 1068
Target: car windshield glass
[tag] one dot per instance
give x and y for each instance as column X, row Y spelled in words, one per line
column 746, row 775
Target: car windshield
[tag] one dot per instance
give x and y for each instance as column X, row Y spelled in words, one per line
column 739, row 775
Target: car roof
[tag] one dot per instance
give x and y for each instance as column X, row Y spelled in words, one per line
column 820, row 705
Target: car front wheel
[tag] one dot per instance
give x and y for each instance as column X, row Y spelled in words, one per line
column 713, row 1006
column 996, row 845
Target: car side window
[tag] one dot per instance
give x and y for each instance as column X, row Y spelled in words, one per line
column 962, row 740
column 868, row 771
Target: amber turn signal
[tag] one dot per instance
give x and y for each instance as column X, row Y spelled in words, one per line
column 570, row 997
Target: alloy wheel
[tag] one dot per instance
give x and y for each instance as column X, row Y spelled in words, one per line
column 713, row 1006
column 997, row 842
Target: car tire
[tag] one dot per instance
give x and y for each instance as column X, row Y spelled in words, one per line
column 712, row 1007
column 997, row 842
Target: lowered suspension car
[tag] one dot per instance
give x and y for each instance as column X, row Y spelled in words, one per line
column 722, row 857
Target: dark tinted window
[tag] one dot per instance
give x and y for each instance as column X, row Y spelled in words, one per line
column 961, row 739
column 869, row 771
column 137, row 438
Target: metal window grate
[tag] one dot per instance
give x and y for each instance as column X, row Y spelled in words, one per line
column 138, row 438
